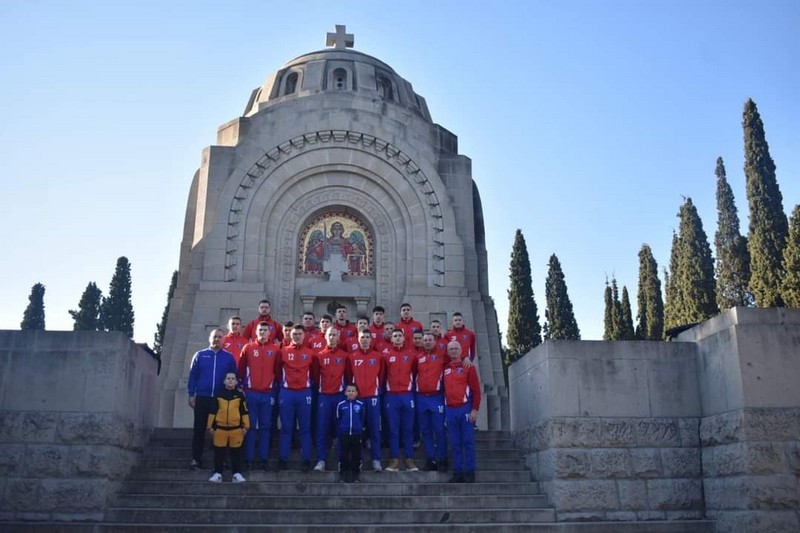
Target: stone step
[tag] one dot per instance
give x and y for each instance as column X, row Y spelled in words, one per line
column 333, row 501
column 294, row 476
column 255, row 487
column 412, row 517
column 294, row 463
column 676, row 526
column 184, row 449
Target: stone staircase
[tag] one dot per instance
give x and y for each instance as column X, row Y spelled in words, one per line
column 162, row 494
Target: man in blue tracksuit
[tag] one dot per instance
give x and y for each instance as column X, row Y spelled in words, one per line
column 206, row 379
column 350, row 417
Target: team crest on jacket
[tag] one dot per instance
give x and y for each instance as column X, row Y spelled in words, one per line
column 405, row 359
column 303, row 357
column 357, row 408
column 373, row 362
column 338, row 360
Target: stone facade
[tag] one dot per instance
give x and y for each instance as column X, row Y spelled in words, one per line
column 708, row 426
column 76, row 408
column 332, row 132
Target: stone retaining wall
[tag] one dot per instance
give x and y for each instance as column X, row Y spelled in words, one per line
column 75, row 410
column 708, row 426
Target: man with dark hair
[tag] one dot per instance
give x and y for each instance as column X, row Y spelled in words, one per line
column 275, row 328
column 297, row 369
column 332, row 363
column 407, row 324
column 367, row 370
column 401, row 366
column 348, row 333
column 463, row 336
column 234, row 340
column 376, row 328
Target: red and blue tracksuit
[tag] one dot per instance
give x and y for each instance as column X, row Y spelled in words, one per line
column 257, row 372
column 462, row 394
column 401, row 364
column 297, row 367
column 466, row 338
column 332, row 364
column 368, row 372
column 430, row 403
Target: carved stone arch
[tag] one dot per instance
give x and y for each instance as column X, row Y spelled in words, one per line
column 292, row 156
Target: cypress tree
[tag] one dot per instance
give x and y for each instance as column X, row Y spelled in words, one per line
column 768, row 225
column 560, row 318
column 116, row 311
column 33, row 318
column 790, row 290
column 673, row 305
column 626, row 317
column 87, row 317
column 161, row 327
column 608, row 317
column 616, row 316
column 694, row 278
column 524, row 332
column 733, row 259
column 650, row 316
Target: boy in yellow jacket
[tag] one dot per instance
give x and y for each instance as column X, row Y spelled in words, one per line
column 228, row 423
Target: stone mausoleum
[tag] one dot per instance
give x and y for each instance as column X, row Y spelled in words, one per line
column 335, row 185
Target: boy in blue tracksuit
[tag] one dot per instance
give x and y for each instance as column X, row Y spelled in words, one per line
column 350, row 417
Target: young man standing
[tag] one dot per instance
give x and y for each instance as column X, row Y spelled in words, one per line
column 401, row 365
column 376, row 328
column 407, row 324
column 332, row 363
column 462, row 401
column 463, row 336
column 430, row 403
column 257, row 371
column 235, row 340
column 275, row 328
column 297, row 366
column 348, row 334
column 313, row 338
column 368, row 372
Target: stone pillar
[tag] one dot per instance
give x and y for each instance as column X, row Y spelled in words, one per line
column 749, row 374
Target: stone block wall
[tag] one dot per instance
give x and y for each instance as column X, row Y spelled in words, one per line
column 611, row 429
column 705, row 427
column 75, row 410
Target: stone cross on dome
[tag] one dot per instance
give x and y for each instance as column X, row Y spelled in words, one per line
column 340, row 39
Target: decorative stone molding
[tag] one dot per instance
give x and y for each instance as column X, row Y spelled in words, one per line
column 391, row 154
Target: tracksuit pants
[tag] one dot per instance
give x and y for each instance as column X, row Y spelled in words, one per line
column 260, row 405
column 400, row 411
column 462, row 438
column 430, row 414
column 295, row 405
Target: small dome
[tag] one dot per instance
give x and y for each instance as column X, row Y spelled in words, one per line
column 337, row 69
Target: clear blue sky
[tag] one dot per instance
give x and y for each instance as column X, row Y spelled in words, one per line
column 586, row 122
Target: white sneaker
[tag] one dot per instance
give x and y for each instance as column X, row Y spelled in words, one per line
column 216, row 477
column 376, row 466
column 238, row 478
column 320, row 466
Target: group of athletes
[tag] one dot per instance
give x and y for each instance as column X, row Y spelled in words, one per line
column 372, row 384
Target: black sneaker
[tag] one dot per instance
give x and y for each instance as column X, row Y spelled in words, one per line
column 281, row 465
column 431, row 466
column 457, row 478
column 442, row 465
column 307, row 466
column 469, row 477
column 196, row 465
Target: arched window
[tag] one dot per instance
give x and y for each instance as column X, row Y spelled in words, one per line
column 291, row 83
column 384, row 87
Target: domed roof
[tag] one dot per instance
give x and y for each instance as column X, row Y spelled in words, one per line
column 336, row 69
